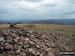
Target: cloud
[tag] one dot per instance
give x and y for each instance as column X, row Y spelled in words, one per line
column 22, row 0
column 34, row 0
column 70, row 1
column 36, row 9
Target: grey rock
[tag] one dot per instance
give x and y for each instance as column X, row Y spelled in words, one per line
column 1, row 39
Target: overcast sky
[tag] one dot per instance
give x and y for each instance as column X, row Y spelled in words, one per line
column 37, row 9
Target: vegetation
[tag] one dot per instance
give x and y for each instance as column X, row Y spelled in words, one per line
column 4, row 25
column 49, row 27
column 45, row 27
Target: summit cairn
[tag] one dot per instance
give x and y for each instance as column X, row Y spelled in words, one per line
column 23, row 42
column 12, row 25
column 19, row 41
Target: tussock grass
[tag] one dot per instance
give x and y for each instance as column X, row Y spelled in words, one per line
column 45, row 27
column 49, row 27
column 4, row 25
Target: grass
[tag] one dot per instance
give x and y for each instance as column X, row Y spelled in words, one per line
column 45, row 27
column 49, row 27
column 4, row 25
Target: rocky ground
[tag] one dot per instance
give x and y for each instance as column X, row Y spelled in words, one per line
column 19, row 41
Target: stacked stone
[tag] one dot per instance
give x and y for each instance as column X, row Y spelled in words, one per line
column 22, row 42
column 12, row 25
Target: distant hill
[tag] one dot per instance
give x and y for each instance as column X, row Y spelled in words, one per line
column 48, row 21
column 56, row 21
column 14, row 21
column 2, row 22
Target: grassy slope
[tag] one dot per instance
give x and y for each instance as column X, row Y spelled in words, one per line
column 49, row 27
column 45, row 27
column 4, row 25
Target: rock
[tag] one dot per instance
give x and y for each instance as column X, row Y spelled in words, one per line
column 8, row 47
column 15, row 46
column 18, row 51
column 32, row 35
column 32, row 51
column 41, row 54
column 38, row 46
column 27, row 39
column 22, row 54
column 32, row 43
column 50, row 53
column 1, row 38
column 1, row 55
column 26, row 46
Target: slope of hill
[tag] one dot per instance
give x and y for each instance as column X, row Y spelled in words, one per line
column 14, row 21
column 48, row 21
column 56, row 21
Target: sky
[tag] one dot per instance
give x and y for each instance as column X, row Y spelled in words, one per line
column 36, row 9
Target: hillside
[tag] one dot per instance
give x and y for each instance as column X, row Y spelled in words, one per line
column 22, row 41
column 48, row 21
column 56, row 21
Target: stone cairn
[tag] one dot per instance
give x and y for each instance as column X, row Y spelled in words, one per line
column 12, row 25
column 17, row 41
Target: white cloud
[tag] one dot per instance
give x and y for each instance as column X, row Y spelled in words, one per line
column 36, row 9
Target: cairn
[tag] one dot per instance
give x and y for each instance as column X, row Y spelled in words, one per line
column 12, row 25
column 21, row 42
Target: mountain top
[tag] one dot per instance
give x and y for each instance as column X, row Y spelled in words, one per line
column 19, row 41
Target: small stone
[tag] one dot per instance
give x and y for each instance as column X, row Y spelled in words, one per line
column 32, row 51
column 38, row 46
column 27, row 39
column 41, row 54
column 25, row 46
column 32, row 35
column 20, row 42
column 15, row 46
column 18, row 51
column 23, row 54
column 50, row 53
column 32, row 42
column 1, row 38
column 8, row 46
column 1, row 55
